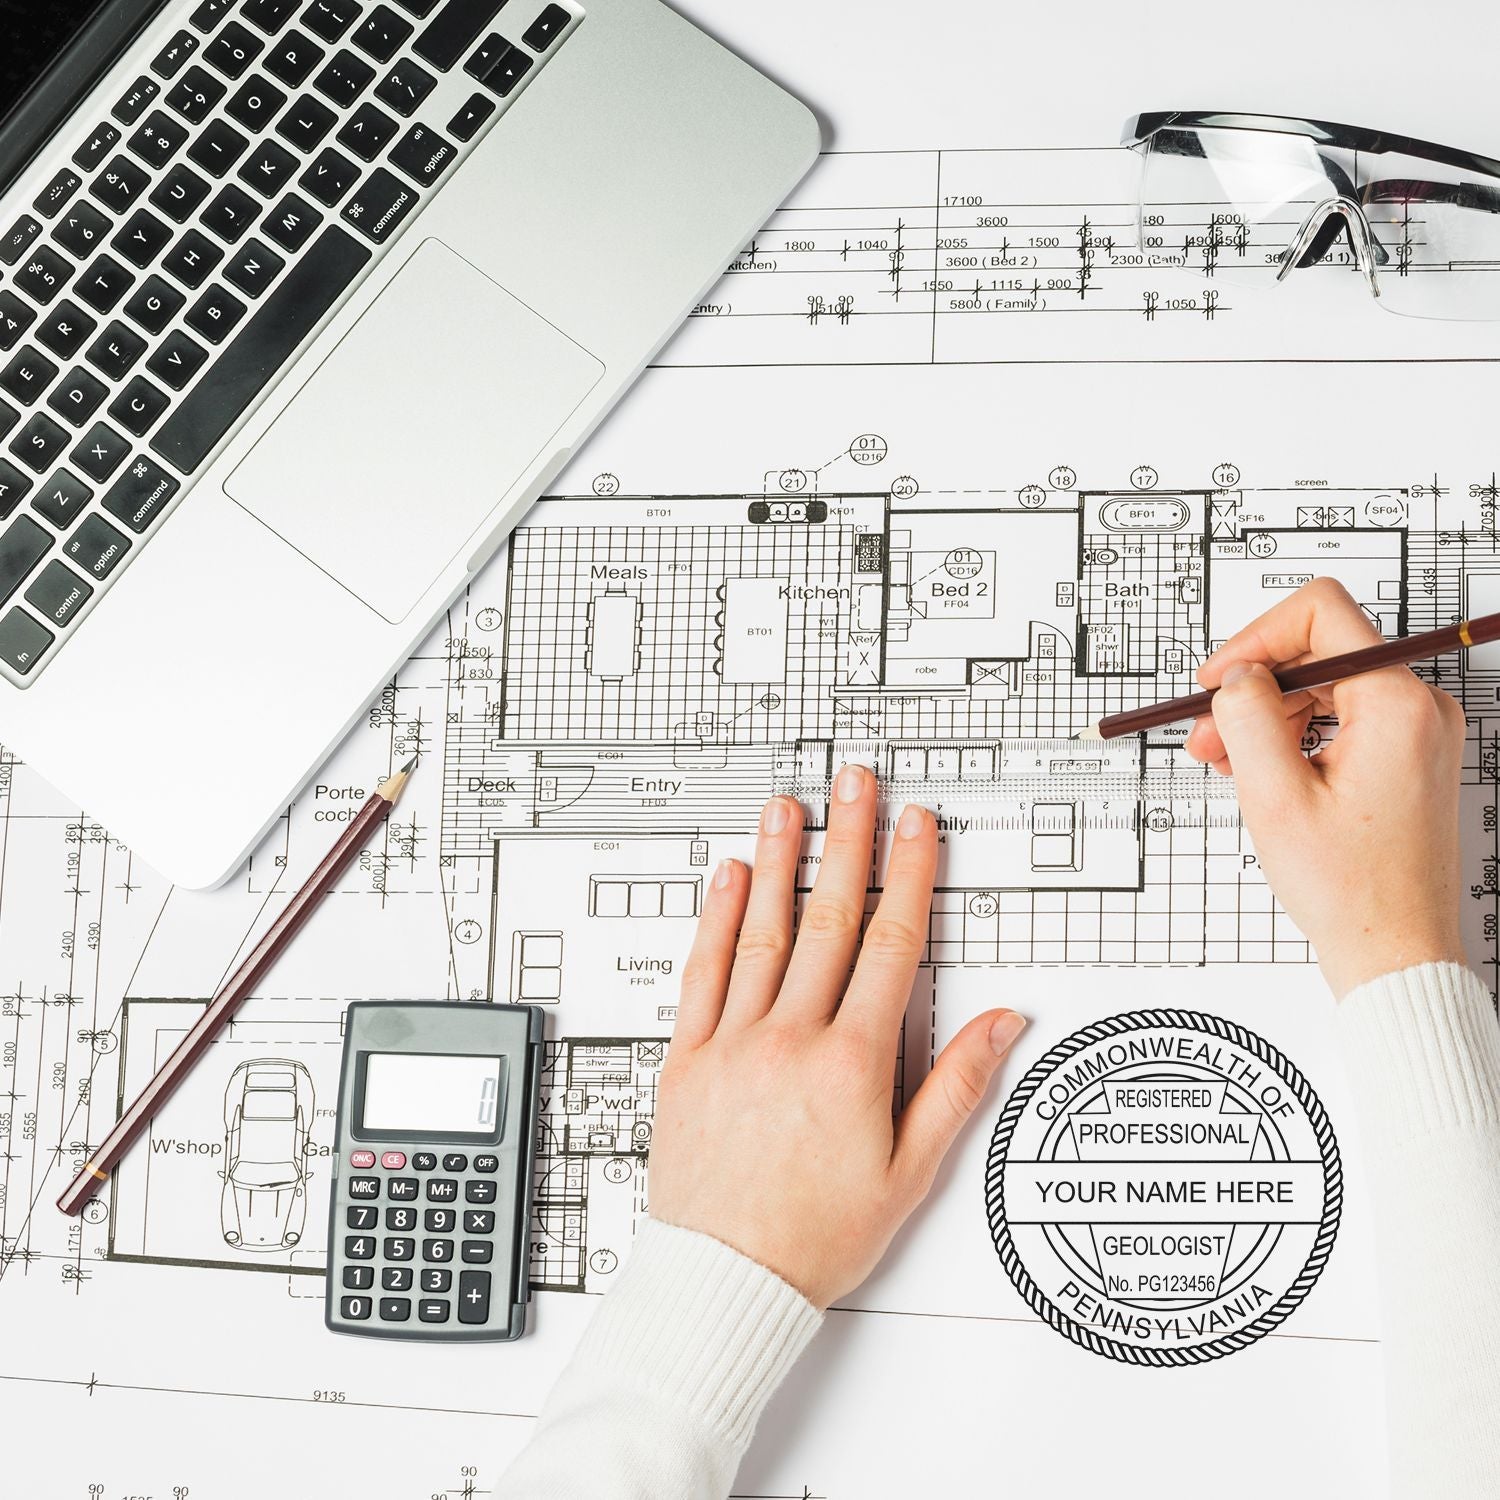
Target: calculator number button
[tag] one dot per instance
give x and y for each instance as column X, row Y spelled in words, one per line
column 359, row 1247
column 400, row 1248
column 362, row 1216
column 359, row 1278
column 437, row 1250
column 356, row 1309
column 401, row 1220
column 439, row 1220
column 396, row 1279
column 435, row 1280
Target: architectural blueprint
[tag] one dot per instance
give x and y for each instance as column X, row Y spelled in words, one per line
column 876, row 503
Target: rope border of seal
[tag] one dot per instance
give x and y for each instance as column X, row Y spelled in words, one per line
column 1228, row 1031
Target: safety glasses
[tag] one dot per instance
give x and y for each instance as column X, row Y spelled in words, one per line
column 1249, row 198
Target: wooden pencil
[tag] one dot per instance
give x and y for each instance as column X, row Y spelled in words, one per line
column 1409, row 648
column 95, row 1171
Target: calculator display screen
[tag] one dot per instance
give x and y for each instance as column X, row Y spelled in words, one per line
column 432, row 1093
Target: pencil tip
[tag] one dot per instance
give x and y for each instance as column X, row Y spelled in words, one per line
column 1091, row 733
column 410, row 766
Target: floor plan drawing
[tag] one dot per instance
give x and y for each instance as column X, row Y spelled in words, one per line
column 944, row 469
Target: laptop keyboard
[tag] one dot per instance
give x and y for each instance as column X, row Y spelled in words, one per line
column 220, row 207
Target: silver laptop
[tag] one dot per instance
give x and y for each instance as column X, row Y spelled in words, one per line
column 302, row 302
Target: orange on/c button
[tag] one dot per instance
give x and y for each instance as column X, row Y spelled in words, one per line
column 393, row 1161
column 359, row 1160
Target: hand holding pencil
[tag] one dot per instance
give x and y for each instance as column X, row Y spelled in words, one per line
column 1360, row 842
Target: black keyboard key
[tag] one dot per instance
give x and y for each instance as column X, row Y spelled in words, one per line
column 177, row 359
column 329, row 177
column 15, row 318
column 509, row 69
column 81, row 230
column 422, row 154
column 170, row 59
column 179, row 193
column 194, row 95
column 486, row 55
column 138, row 406
column 58, row 594
column 40, row 443
column 439, row 1220
column 49, row 202
column 233, row 50
column 210, row 13
column 215, row 314
column 398, row 1247
column 142, row 238
column 253, row 267
column 359, row 1247
column 13, row 485
column 479, row 1221
column 140, row 494
column 293, row 58
column 218, row 147
column 418, row 8
column 9, row 416
column 43, row 274
column 100, row 451
column 120, row 184
column 437, row 1250
column 269, row 16
column 402, row 1220
column 400, row 1187
column 442, row 1189
column 395, row 1309
column 436, row 1279
column 367, row 131
column 192, row 259
column 103, row 283
column 478, row 1252
column 381, row 204
column 344, row 78
column 468, row 120
column 22, row 546
column 268, row 168
column 330, row 19
column 354, row 1309
column 305, row 123
column 96, row 147
column 395, row 1278
column 473, row 1296
column 115, row 351
column 290, row 224
column 487, row 1162
column 128, row 109
column 231, row 213
column 405, row 87
column 450, row 34
column 62, row 499
column 154, row 304
column 423, row 1161
column 309, row 288
column 255, row 103
column 157, row 139
column 433, row 1310
column 96, row 548
column 77, row 396
column 381, row 33
column 545, row 29
column 22, row 641
column 28, row 374
column 480, row 1192
column 64, row 328
column 361, row 1216
column 18, row 238
column 359, row 1278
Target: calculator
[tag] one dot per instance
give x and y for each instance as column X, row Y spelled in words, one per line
column 430, row 1210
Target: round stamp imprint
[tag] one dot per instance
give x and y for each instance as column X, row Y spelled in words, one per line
column 1163, row 1187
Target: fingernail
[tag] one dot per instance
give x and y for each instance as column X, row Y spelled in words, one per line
column 724, row 874
column 913, row 821
column 850, row 783
column 1235, row 671
column 773, row 818
column 1008, row 1026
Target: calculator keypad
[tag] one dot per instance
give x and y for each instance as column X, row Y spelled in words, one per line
column 402, row 1234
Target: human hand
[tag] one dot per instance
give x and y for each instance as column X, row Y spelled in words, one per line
column 773, row 1130
column 1359, row 842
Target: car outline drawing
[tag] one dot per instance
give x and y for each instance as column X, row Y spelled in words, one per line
column 268, row 1112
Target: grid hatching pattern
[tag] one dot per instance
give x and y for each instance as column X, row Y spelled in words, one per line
column 676, row 690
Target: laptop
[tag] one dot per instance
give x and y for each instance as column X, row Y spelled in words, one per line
column 302, row 303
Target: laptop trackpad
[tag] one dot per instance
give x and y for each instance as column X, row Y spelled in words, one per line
column 407, row 435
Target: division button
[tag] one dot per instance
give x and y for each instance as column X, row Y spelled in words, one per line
column 480, row 1192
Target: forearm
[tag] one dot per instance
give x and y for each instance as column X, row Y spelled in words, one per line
column 1423, row 1053
column 662, row 1396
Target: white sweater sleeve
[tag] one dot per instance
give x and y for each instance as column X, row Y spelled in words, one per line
column 1423, row 1055
column 661, row 1398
